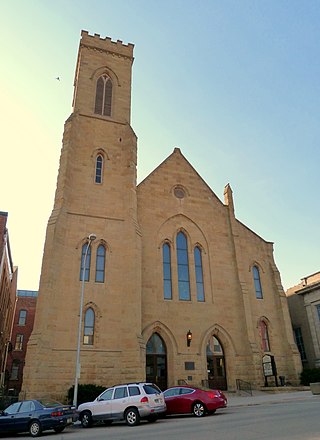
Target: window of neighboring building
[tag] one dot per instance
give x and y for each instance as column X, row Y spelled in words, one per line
column 103, row 96
column 100, row 263
column 22, row 317
column 183, row 267
column 257, row 282
column 167, row 282
column 299, row 341
column 88, row 327
column 88, row 261
column 199, row 273
column 19, row 342
column 99, row 168
column 15, row 370
column 265, row 345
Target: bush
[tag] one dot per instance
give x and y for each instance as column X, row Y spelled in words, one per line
column 310, row 375
column 86, row 393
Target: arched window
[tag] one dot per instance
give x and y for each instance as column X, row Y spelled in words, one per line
column 88, row 261
column 22, row 317
column 99, row 169
column 88, row 332
column 257, row 282
column 199, row 273
column 100, row 263
column 264, row 335
column 183, row 267
column 103, row 96
column 167, row 282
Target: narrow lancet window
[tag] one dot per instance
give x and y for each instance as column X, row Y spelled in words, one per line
column 199, row 273
column 100, row 263
column 88, row 333
column 99, row 169
column 167, row 281
column 257, row 282
column 183, row 267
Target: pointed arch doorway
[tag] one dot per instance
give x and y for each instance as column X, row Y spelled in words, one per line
column 156, row 361
column 216, row 364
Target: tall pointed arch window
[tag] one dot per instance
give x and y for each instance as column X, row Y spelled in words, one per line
column 257, row 282
column 199, row 273
column 88, row 332
column 183, row 267
column 103, row 96
column 99, row 168
column 264, row 335
column 167, row 280
column 100, row 263
column 88, row 262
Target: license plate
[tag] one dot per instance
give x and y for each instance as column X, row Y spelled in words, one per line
column 69, row 420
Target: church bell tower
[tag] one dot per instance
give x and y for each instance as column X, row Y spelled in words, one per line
column 95, row 194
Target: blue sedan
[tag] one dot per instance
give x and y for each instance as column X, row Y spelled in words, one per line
column 35, row 416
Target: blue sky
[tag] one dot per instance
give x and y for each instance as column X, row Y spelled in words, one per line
column 233, row 84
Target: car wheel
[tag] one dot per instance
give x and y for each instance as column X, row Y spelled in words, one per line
column 58, row 429
column 132, row 417
column 86, row 419
column 35, row 428
column 198, row 409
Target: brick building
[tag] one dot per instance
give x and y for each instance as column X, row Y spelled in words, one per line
column 176, row 288
column 304, row 308
column 21, row 331
column 8, row 287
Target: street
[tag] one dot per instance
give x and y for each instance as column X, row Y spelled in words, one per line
column 294, row 420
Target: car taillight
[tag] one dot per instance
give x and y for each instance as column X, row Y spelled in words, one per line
column 56, row 414
column 212, row 394
column 144, row 399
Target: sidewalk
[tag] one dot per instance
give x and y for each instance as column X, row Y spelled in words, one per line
column 263, row 397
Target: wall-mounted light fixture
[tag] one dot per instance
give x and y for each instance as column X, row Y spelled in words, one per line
column 189, row 338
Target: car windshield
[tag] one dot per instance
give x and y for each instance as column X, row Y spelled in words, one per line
column 48, row 403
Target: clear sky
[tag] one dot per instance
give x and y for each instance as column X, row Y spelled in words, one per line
column 235, row 84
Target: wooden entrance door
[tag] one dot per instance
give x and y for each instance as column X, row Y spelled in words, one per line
column 216, row 365
column 156, row 361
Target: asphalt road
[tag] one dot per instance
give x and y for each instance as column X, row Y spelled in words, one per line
column 294, row 420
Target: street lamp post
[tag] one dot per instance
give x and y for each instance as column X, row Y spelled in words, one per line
column 90, row 239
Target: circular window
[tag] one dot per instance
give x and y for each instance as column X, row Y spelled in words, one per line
column 179, row 192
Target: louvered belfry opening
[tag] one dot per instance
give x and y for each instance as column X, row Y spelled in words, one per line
column 103, row 96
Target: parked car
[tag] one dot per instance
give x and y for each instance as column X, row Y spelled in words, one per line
column 190, row 400
column 130, row 402
column 36, row 416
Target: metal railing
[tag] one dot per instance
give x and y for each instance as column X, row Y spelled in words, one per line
column 244, row 386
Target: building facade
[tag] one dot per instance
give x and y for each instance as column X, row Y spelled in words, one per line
column 175, row 288
column 8, row 288
column 304, row 308
column 21, row 331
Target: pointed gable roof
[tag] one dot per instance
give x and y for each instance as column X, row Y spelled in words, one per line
column 177, row 155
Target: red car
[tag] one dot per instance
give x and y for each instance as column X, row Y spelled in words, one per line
column 187, row 400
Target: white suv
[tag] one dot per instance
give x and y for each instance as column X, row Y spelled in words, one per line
column 130, row 402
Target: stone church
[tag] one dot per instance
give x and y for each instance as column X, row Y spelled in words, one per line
column 175, row 288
